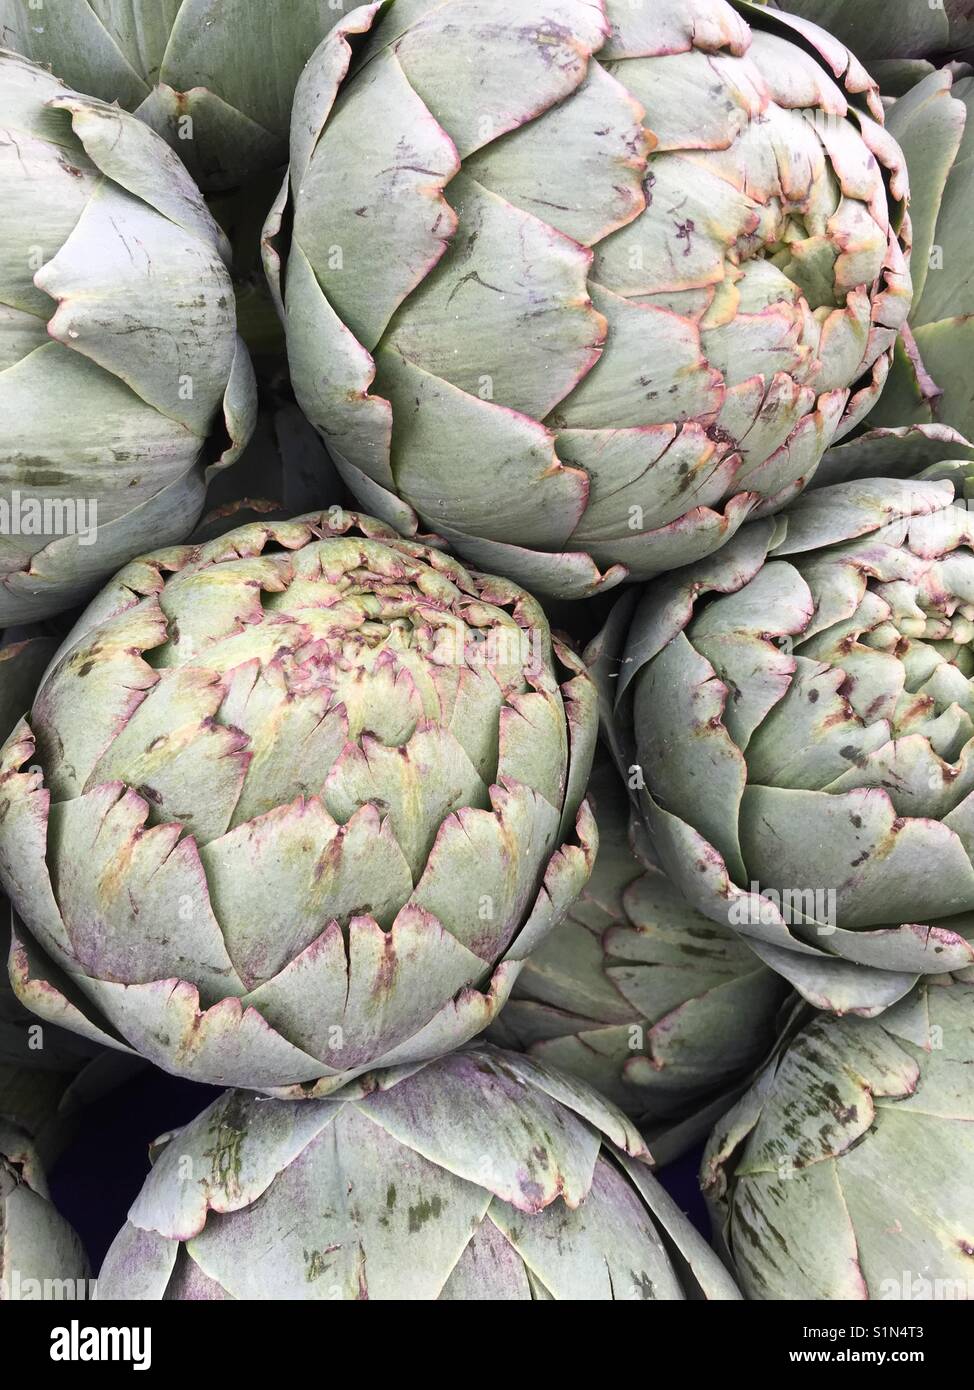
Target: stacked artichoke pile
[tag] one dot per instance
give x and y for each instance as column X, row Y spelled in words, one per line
column 640, row 336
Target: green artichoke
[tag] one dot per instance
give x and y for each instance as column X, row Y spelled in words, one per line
column 847, row 1171
column 657, row 1007
column 651, row 258
column 931, row 380
column 215, row 78
column 118, row 350
column 801, row 713
column 478, row 1176
column 294, row 804
column 40, row 1254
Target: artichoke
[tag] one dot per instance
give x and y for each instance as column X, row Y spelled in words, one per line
column 481, row 1175
column 644, row 998
column 215, row 78
column 800, row 711
column 931, row 380
column 652, row 258
column 847, row 1171
column 118, row 350
column 293, row 804
column 40, row 1254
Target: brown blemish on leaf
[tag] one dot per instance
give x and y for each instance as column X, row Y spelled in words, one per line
column 316, row 1262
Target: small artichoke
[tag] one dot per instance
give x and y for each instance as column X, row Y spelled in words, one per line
column 660, row 1009
column 651, row 258
column 215, row 78
column 120, row 367
column 801, row 713
column 294, row 804
column 40, row 1254
column 847, row 1171
column 478, row 1176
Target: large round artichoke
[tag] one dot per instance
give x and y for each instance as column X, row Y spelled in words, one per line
column 931, row 378
column 640, row 995
column 847, row 1172
column 118, row 350
column 40, row 1255
column 650, row 258
column 479, row 1176
column 215, row 78
column 295, row 803
column 802, row 713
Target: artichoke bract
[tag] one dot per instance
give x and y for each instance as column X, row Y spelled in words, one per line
column 895, row 38
column 214, row 78
column 931, row 378
column 481, row 1175
column 640, row 995
column 41, row 1256
column 582, row 286
column 904, row 451
column 120, row 366
column 801, row 712
column 295, row 803
column 847, row 1171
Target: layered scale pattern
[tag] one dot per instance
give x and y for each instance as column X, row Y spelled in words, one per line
column 119, row 358
column 861, row 1129
column 503, row 1181
column 803, row 710
column 295, row 803
column 651, row 258
column 214, row 78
